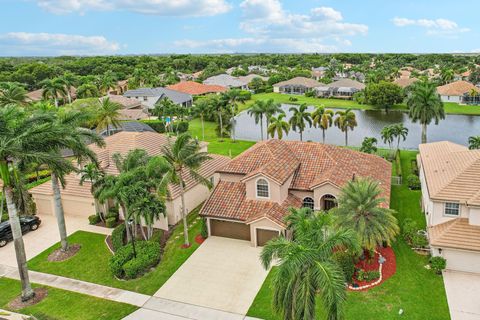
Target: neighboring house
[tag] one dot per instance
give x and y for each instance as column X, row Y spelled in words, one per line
column 128, row 126
column 405, row 82
column 297, row 85
column 196, row 89
column 450, row 180
column 261, row 69
column 257, row 188
column 133, row 114
column 150, row 96
column 37, row 95
column 318, row 73
column 127, row 103
column 248, row 78
column 78, row 201
column 120, row 88
column 226, row 80
column 456, row 91
column 342, row 89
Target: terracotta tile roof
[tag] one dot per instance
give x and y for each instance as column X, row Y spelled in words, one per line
column 452, row 172
column 457, row 88
column 37, row 94
column 122, row 143
column 195, row 88
column 72, row 187
column 228, row 200
column 124, row 101
column 405, row 82
column 307, row 82
column 456, row 233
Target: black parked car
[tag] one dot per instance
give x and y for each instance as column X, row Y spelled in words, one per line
column 28, row 223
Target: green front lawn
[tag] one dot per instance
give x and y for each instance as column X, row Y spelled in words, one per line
column 91, row 262
column 67, row 305
column 416, row 290
column 450, row 107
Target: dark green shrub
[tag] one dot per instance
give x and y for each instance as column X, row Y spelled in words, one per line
column 409, row 229
column 438, row 264
column 93, row 219
column 124, row 265
column 372, row 275
column 293, row 99
column 121, row 256
column 112, row 213
column 118, row 237
column 110, row 222
column 157, row 125
column 157, row 236
column 4, row 217
column 419, row 241
column 180, row 127
column 413, row 182
column 204, row 228
column 346, row 263
column 310, row 93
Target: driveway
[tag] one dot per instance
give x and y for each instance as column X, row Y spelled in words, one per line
column 463, row 292
column 222, row 274
column 46, row 236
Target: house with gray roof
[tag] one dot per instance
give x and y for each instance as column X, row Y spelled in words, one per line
column 226, row 81
column 342, row 89
column 297, row 85
column 150, row 96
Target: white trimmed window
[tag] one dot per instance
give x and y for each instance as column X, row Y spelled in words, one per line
column 262, row 188
column 308, row 203
column 452, row 209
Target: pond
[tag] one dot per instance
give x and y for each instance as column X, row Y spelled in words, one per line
column 455, row 128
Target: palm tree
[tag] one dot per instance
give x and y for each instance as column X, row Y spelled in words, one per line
column 91, row 172
column 201, row 109
column 232, row 98
column 400, row 132
column 306, row 268
column 184, row 157
column 12, row 93
column 53, row 89
column 447, row 75
column 300, row 118
column 345, row 120
column 69, row 81
column 359, row 209
column 474, row 142
column 219, row 108
column 166, row 108
column 25, row 139
column 473, row 94
column 107, row 115
column 387, row 135
column 106, row 82
column 271, row 108
column 278, row 126
column 87, row 90
column 257, row 111
column 322, row 118
column 425, row 105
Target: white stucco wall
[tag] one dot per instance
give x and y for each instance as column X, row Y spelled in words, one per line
column 474, row 216
column 322, row 190
column 262, row 224
column 455, row 99
column 460, row 260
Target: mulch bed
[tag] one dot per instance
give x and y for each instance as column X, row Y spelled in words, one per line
column 199, row 239
column 388, row 269
column 17, row 303
column 60, row 255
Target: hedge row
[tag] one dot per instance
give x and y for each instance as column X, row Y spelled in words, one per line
column 159, row 126
column 124, row 265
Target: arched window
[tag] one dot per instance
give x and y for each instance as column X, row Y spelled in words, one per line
column 308, row 203
column 328, row 202
column 262, row 188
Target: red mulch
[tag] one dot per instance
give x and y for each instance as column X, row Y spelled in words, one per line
column 186, row 246
column 199, row 239
column 389, row 267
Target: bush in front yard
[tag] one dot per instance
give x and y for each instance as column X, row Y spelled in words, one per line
column 438, row 264
column 110, row 222
column 124, row 265
column 93, row 219
column 118, row 237
column 204, row 229
column 413, row 182
column 346, row 263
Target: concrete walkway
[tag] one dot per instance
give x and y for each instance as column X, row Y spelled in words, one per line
column 463, row 292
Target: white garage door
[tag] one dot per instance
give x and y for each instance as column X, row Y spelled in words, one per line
column 78, row 207
column 462, row 260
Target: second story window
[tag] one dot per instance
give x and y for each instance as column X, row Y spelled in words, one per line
column 308, row 203
column 262, row 188
column 452, row 209
column 145, row 98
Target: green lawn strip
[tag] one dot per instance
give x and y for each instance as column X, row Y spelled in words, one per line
column 403, row 290
column 61, row 304
column 91, row 262
column 227, row 147
column 450, row 107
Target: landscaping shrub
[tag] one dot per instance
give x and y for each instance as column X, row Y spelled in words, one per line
column 157, row 236
column 363, row 275
column 413, row 182
column 346, row 263
column 438, row 264
column 93, row 219
column 180, row 127
column 204, row 229
column 118, row 237
column 293, row 99
column 124, row 265
column 419, row 241
column 157, row 125
column 32, row 177
column 110, row 222
column 4, row 217
column 409, row 229
column 310, row 94
column 113, row 213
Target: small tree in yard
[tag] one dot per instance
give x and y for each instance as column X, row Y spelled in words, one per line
column 384, row 94
column 369, row 145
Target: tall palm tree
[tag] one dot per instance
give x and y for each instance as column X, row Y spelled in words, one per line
column 202, row 109
column 90, row 172
column 166, row 108
column 87, row 90
column 185, row 158
column 306, row 268
column 69, row 81
column 53, row 89
column 322, row 118
column 12, row 93
column 232, row 98
column 300, row 118
column 278, row 126
column 399, row 132
column 387, row 135
column 106, row 82
column 447, row 75
column 345, row 120
column 425, row 105
column 25, row 139
column 474, row 142
column 219, row 108
column 108, row 115
column 271, row 108
column 257, row 111
column 359, row 209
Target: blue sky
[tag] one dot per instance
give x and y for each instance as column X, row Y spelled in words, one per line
column 90, row 27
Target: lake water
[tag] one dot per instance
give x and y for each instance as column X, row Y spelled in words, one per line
column 455, row 128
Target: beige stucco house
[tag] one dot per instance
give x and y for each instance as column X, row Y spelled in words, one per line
column 78, row 201
column 450, row 179
column 257, row 188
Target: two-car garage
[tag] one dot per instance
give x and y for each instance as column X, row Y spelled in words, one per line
column 257, row 235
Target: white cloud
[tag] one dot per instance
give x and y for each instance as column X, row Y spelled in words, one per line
column 434, row 27
column 152, row 7
column 47, row 44
column 327, row 13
